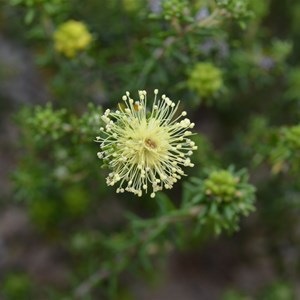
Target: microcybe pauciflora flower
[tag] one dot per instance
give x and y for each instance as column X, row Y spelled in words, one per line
column 145, row 149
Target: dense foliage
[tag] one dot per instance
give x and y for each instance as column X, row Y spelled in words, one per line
column 236, row 70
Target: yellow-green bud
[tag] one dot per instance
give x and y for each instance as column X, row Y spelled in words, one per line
column 222, row 185
column 205, row 79
column 71, row 37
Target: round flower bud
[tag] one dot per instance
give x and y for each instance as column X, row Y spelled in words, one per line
column 71, row 37
column 205, row 79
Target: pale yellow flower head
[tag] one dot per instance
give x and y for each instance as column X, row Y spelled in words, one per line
column 145, row 149
column 71, row 37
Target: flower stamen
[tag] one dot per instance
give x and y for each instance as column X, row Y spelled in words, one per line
column 150, row 144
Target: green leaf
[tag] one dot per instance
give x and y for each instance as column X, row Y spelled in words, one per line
column 197, row 198
column 15, row 2
column 213, row 208
column 228, row 213
column 165, row 204
column 29, row 16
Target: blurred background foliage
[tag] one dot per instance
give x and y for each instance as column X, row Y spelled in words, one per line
column 234, row 64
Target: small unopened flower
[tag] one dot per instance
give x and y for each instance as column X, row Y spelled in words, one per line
column 174, row 8
column 71, row 37
column 221, row 185
column 205, row 79
column 132, row 5
column 145, row 149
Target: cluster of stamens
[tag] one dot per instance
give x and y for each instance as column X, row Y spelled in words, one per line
column 145, row 149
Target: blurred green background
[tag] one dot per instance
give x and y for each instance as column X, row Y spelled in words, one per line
column 229, row 230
